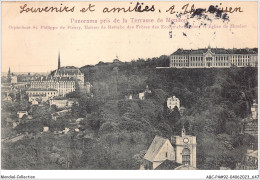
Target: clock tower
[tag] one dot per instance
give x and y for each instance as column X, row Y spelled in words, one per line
column 185, row 148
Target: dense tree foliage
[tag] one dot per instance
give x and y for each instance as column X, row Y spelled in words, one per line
column 116, row 131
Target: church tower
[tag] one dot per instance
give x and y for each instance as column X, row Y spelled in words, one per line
column 185, row 148
column 59, row 61
column 9, row 75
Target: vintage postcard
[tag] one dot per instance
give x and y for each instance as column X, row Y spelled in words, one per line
column 129, row 86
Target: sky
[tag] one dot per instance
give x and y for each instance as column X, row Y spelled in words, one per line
column 36, row 50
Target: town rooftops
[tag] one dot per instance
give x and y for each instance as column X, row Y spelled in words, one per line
column 154, row 148
column 215, row 51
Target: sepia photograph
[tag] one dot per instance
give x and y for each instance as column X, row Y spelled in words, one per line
column 129, row 86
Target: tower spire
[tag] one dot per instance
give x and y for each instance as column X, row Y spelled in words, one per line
column 9, row 75
column 183, row 132
column 59, row 61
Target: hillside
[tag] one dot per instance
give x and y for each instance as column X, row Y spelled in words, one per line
column 116, row 131
column 215, row 100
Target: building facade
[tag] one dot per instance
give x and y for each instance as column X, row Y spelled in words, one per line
column 63, row 85
column 72, row 73
column 179, row 150
column 160, row 150
column 173, row 102
column 185, row 148
column 41, row 93
column 64, row 79
column 214, row 57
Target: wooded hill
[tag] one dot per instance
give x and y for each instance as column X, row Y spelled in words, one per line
column 116, row 131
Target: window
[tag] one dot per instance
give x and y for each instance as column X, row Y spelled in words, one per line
column 166, row 154
column 186, row 156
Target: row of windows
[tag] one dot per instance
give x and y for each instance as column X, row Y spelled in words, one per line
column 174, row 103
column 233, row 56
column 196, row 64
column 240, row 64
column 217, row 62
column 239, row 60
column 186, row 61
column 196, row 58
column 240, row 56
column 42, row 93
column 200, row 64
column 63, row 82
column 51, row 85
column 180, row 64
column 180, row 60
column 180, row 57
column 222, row 64
column 222, row 58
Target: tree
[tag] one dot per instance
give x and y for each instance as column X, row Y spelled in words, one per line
column 54, row 108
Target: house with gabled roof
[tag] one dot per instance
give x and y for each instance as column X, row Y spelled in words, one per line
column 160, row 150
column 170, row 154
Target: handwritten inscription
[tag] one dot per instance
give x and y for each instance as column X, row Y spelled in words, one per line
column 191, row 9
column 137, row 7
column 26, row 9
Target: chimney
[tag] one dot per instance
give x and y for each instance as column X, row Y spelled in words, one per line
column 173, row 140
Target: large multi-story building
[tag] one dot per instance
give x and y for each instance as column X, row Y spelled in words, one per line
column 65, row 80
column 72, row 73
column 214, row 57
column 63, row 85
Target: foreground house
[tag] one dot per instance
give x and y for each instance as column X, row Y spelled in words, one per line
column 171, row 154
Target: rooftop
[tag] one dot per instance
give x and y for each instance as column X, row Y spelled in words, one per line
column 69, row 70
column 253, row 154
column 168, row 165
column 154, row 148
column 216, row 51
